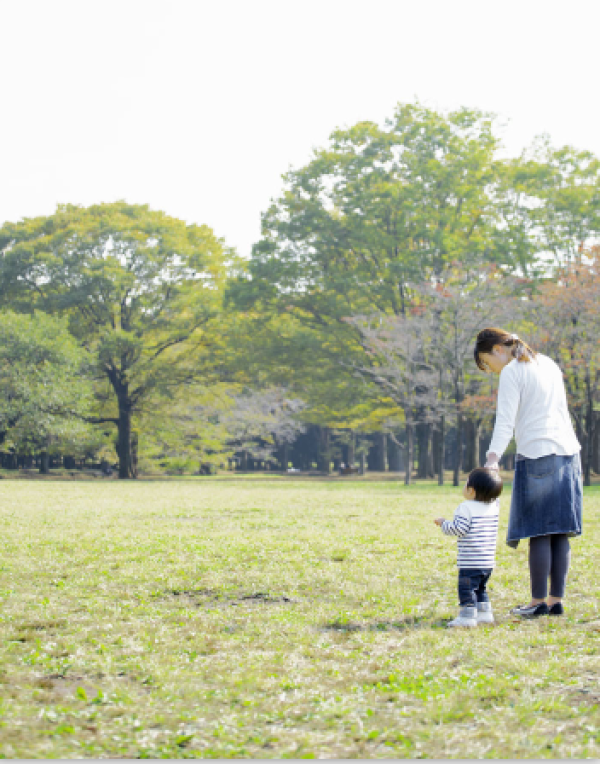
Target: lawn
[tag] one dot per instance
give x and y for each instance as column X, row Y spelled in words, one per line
column 278, row 618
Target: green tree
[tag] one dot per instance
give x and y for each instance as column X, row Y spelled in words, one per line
column 378, row 210
column 46, row 395
column 550, row 204
column 142, row 292
column 565, row 320
column 377, row 214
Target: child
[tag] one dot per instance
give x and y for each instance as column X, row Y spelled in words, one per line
column 475, row 523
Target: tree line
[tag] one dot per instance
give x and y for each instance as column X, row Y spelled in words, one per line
column 346, row 337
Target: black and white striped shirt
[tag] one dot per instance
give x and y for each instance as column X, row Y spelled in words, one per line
column 476, row 525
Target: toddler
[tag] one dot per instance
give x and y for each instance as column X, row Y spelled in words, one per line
column 475, row 523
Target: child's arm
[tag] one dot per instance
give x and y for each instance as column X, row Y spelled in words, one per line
column 458, row 526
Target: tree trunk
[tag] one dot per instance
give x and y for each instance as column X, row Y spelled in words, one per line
column 458, row 455
column 44, row 463
column 377, row 453
column 423, row 450
column 409, row 453
column 596, row 444
column 484, row 445
column 351, row 449
column 442, row 450
column 470, row 447
column 431, row 470
column 362, row 468
column 394, row 455
column 284, row 456
column 435, row 449
column 134, row 454
column 323, row 458
column 124, row 439
column 589, row 427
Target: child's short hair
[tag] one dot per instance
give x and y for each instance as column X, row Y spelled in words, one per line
column 487, row 484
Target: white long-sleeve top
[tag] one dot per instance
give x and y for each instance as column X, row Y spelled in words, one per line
column 532, row 402
column 476, row 525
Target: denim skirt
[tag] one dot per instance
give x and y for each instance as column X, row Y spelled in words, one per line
column 547, row 497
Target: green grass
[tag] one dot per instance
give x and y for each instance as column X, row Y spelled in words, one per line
column 273, row 619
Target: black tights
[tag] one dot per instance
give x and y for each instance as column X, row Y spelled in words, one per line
column 549, row 556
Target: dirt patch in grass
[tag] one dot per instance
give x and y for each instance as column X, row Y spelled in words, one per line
column 204, row 597
column 400, row 624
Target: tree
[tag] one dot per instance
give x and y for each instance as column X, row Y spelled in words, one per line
column 142, row 292
column 420, row 359
column 567, row 185
column 468, row 301
column 46, row 394
column 183, row 431
column 374, row 217
column 377, row 211
column 566, row 318
column 259, row 422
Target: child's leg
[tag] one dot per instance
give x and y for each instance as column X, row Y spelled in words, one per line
column 467, row 614
column 484, row 606
column 481, row 591
column 466, row 588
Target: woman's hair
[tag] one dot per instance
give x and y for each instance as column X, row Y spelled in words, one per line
column 487, row 484
column 487, row 338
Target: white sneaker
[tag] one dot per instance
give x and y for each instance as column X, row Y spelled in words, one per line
column 467, row 618
column 484, row 612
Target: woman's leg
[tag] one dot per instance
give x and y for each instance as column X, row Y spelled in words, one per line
column 559, row 567
column 540, row 563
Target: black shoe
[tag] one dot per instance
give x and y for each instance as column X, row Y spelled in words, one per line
column 531, row 611
column 557, row 609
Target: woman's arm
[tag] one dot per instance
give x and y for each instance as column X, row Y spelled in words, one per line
column 507, row 406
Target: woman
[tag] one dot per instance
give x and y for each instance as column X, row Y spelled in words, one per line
column 547, row 490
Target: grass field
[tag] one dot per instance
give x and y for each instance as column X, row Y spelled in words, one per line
column 278, row 618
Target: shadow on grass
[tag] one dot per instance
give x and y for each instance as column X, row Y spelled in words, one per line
column 399, row 624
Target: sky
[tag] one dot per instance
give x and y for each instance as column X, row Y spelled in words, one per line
column 199, row 107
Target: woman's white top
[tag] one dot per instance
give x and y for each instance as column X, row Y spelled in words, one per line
column 532, row 402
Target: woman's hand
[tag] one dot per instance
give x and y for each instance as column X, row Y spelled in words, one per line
column 492, row 462
column 439, row 521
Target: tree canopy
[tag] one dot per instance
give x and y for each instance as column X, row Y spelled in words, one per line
column 141, row 290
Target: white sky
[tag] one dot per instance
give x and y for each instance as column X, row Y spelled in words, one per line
column 198, row 107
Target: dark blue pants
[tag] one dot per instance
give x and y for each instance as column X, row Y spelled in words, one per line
column 471, row 586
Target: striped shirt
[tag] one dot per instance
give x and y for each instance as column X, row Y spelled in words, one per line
column 476, row 525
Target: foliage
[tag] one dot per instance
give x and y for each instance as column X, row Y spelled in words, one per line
column 142, row 292
column 563, row 186
column 381, row 209
column 419, row 359
column 46, row 393
column 205, row 427
column 567, row 318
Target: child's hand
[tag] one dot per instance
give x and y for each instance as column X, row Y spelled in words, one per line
column 439, row 520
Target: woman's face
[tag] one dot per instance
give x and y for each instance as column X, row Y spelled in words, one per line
column 496, row 360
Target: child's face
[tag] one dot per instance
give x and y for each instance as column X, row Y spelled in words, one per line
column 468, row 492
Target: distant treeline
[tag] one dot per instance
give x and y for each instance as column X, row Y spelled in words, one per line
column 128, row 337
